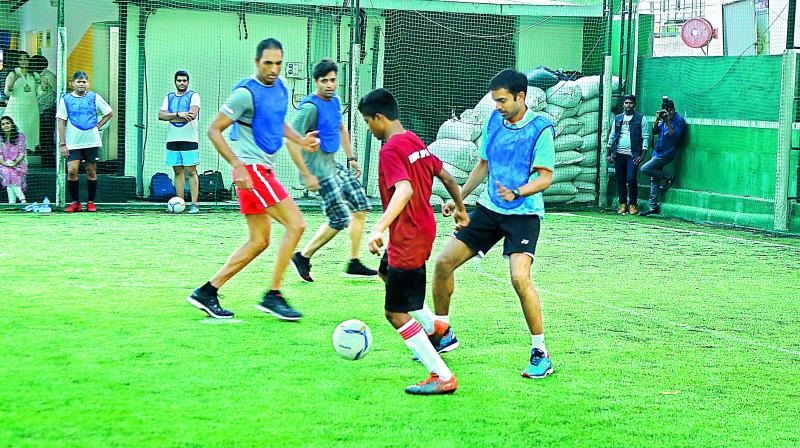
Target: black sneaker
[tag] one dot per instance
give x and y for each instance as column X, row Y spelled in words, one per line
column 652, row 211
column 356, row 269
column 276, row 305
column 209, row 303
column 668, row 184
column 302, row 266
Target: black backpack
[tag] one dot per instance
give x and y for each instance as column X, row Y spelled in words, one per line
column 212, row 188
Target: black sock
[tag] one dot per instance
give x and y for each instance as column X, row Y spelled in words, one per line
column 274, row 292
column 92, row 189
column 72, row 186
column 208, row 288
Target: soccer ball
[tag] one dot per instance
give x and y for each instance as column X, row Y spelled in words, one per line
column 352, row 339
column 176, row 205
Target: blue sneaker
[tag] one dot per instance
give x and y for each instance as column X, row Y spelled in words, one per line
column 540, row 365
column 447, row 343
column 443, row 339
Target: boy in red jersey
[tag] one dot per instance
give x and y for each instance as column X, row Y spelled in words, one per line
column 405, row 177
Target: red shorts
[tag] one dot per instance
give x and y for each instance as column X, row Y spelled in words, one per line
column 266, row 192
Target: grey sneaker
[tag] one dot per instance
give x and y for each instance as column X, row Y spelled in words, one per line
column 194, row 209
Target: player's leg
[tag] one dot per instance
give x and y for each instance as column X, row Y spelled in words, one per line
column 338, row 215
column 287, row 213
column 205, row 298
column 92, row 157
column 73, row 165
column 180, row 181
column 405, row 291
column 521, row 234
column 358, row 202
column 620, row 162
column 194, row 187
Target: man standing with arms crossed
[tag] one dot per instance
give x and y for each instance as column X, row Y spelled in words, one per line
column 181, row 109
column 518, row 155
column 258, row 106
column 339, row 189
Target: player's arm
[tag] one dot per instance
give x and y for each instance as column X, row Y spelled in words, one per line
column 312, row 182
column 105, row 119
column 220, row 123
column 460, row 213
column 476, row 176
column 62, row 127
column 344, row 137
column 310, row 141
column 402, row 194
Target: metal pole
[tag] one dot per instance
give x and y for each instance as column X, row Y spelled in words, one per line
column 376, row 39
column 605, row 108
column 61, row 81
column 355, row 58
column 122, row 87
column 790, row 25
column 785, row 120
column 143, row 14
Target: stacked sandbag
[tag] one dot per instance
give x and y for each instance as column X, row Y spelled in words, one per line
column 573, row 107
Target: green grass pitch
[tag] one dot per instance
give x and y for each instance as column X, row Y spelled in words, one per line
column 662, row 333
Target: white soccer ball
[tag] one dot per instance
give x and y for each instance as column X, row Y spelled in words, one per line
column 176, row 205
column 352, row 339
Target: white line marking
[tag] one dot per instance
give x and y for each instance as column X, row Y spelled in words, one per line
column 715, row 333
column 693, row 232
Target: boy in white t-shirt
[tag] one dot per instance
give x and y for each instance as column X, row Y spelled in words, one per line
column 79, row 136
column 181, row 109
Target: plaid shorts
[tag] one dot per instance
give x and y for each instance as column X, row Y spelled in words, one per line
column 341, row 194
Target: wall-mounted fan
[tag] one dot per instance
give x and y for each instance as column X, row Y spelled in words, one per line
column 697, row 33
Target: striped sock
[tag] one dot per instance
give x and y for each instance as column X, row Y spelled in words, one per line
column 425, row 317
column 416, row 340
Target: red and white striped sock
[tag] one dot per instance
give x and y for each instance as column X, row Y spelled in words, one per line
column 416, row 340
column 425, row 317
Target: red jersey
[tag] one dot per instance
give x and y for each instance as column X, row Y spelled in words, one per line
column 411, row 235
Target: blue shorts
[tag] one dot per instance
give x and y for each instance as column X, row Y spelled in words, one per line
column 183, row 158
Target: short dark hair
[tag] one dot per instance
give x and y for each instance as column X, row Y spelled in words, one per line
column 80, row 75
column 511, row 80
column 379, row 101
column 669, row 104
column 631, row 98
column 39, row 63
column 324, row 67
column 268, row 44
column 181, row 73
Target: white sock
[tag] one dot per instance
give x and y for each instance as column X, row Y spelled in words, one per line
column 19, row 193
column 537, row 341
column 425, row 317
column 12, row 198
column 445, row 318
column 416, row 340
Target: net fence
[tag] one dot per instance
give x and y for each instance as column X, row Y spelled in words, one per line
column 436, row 57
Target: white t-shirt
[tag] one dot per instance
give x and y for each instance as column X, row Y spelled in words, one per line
column 186, row 133
column 77, row 139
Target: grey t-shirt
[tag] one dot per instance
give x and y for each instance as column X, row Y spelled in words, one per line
column 239, row 106
column 320, row 163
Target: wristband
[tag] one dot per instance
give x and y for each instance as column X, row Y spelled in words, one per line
column 352, row 159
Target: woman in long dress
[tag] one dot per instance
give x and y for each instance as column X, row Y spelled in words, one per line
column 21, row 87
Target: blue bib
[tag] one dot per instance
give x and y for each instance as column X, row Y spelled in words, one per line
column 82, row 110
column 270, row 106
column 329, row 121
column 510, row 153
column 180, row 103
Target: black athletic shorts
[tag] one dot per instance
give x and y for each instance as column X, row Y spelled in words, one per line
column 91, row 155
column 487, row 227
column 405, row 288
column 182, row 146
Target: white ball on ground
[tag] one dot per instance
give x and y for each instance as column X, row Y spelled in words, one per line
column 352, row 339
column 176, row 205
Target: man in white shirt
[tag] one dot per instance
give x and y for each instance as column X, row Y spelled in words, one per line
column 181, row 109
column 79, row 136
